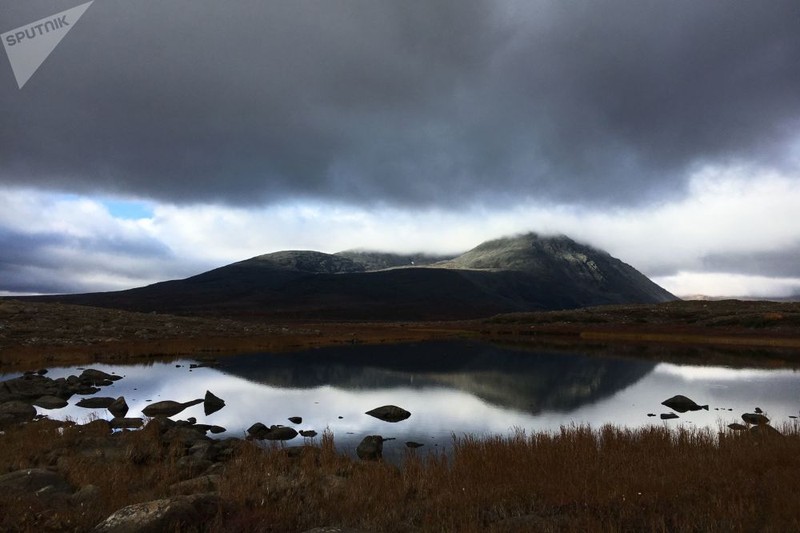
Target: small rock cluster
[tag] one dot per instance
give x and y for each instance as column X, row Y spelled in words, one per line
column 756, row 422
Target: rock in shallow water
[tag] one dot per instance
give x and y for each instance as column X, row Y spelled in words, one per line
column 276, row 432
column 370, row 448
column 682, row 404
column 212, row 404
column 755, row 418
column 99, row 402
column 50, row 402
column 118, row 407
column 389, row 413
column 168, row 407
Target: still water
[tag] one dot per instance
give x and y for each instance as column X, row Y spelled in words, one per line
column 449, row 388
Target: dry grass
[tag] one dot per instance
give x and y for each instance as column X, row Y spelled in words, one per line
column 578, row 479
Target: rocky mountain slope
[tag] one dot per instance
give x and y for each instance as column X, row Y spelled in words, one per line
column 523, row 273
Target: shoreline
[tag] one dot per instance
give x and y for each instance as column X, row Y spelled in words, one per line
column 34, row 335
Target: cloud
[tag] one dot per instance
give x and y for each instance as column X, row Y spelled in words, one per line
column 733, row 235
column 55, row 244
column 407, row 104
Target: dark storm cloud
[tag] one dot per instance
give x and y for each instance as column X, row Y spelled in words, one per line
column 407, row 103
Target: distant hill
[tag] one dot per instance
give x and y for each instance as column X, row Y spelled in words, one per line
column 523, row 273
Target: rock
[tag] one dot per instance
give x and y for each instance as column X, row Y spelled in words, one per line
column 86, row 494
column 29, row 387
column 651, row 414
column 98, row 426
column 126, row 423
column 201, row 484
column 758, row 411
column 212, row 404
column 257, row 430
column 33, row 480
column 755, row 418
column 735, row 426
column 682, row 404
column 14, row 412
column 217, row 429
column 99, row 402
column 193, row 465
column 97, row 377
column 260, row 431
column 168, row 407
column 280, row 433
column 187, row 436
column 50, row 402
column 308, row 433
column 668, row 416
column 413, row 445
column 370, row 448
column 86, row 390
column 184, row 513
column 119, row 407
column 765, row 430
column 389, row 413
column 296, row 419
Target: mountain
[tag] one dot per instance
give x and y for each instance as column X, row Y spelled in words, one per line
column 523, row 273
column 564, row 261
column 381, row 261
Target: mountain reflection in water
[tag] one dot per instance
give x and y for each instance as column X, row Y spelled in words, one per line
column 513, row 379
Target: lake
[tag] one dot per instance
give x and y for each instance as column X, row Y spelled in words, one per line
column 449, row 388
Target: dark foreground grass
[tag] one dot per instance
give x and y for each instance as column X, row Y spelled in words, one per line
column 578, row 479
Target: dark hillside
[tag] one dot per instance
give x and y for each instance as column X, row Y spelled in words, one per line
column 526, row 273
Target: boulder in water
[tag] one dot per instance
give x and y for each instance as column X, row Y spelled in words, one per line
column 118, row 407
column 389, row 413
column 97, row 402
column 212, row 404
column 50, row 402
column 755, row 418
column 168, row 407
column 682, row 404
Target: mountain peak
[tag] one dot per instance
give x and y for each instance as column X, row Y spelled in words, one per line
column 529, row 252
column 307, row 261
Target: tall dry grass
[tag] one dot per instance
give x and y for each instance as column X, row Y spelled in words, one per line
column 576, row 479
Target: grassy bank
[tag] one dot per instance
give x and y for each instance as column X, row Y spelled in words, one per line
column 578, row 479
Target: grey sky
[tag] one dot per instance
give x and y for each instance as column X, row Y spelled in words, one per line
column 412, row 105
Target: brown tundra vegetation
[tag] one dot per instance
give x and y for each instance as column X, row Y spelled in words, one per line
column 578, row 479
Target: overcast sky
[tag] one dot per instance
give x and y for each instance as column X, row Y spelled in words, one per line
column 162, row 138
